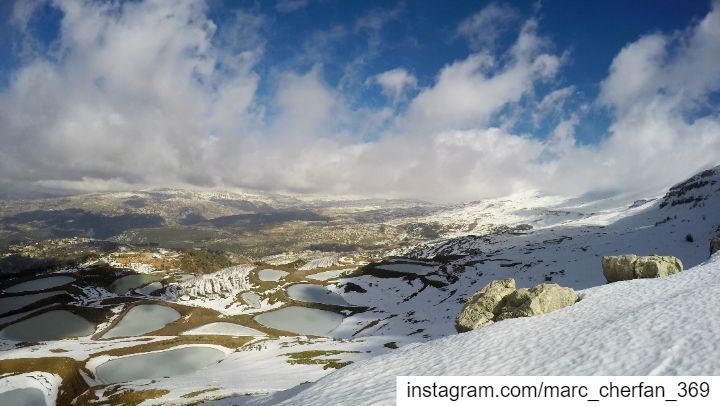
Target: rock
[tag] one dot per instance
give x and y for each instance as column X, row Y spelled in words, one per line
column 499, row 301
column 540, row 299
column 715, row 244
column 482, row 307
column 626, row 267
column 656, row 266
column 619, row 268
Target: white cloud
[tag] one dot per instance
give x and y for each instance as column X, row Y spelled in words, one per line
column 152, row 93
column 469, row 92
column 395, row 82
column 483, row 28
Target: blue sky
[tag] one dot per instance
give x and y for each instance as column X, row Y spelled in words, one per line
column 349, row 79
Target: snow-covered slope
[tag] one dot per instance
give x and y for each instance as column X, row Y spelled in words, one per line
column 564, row 245
column 667, row 326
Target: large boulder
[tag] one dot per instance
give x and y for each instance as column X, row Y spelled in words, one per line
column 626, row 267
column 619, row 268
column 499, row 301
column 656, row 266
column 482, row 307
column 540, row 299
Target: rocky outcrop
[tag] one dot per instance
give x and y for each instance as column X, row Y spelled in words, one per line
column 715, row 244
column 499, row 300
column 626, row 267
column 482, row 307
column 541, row 299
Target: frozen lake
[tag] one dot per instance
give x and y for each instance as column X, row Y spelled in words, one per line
column 52, row 325
column 143, row 319
column 126, row 283
column 40, row 284
column 153, row 365
column 271, row 275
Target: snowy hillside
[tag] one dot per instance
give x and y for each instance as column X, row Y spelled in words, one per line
column 562, row 243
column 624, row 328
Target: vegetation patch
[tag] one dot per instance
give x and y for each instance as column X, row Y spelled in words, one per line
column 194, row 260
column 199, row 392
column 317, row 357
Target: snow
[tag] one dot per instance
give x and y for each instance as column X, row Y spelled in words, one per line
column 323, row 262
column 215, row 291
column 46, row 383
column 224, row 329
column 327, row 275
column 666, row 326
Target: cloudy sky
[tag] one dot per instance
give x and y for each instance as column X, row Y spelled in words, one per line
column 396, row 99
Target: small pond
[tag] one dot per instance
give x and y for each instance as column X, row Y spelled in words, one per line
column 224, row 329
column 52, row 325
column 8, row 304
column 153, row 365
column 271, row 275
column 301, row 320
column 127, row 283
column 407, row 268
column 23, row 397
column 40, row 284
column 143, row 319
column 315, row 294
column 252, row 299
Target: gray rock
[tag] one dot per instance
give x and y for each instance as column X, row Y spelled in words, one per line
column 715, row 244
column 626, row 267
column 482, row 307
column 540, row 299
column 619, row 268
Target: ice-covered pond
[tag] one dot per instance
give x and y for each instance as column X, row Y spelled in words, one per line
column 252, row 299
column 407, row 268
column 153, row 365
column 40, row 284
column 301, row 320
column 143, row 319
column 23, row 397
column 271, row 275
column 8, row 304
column 306, row 292
column 52, row 325
column 127, row 283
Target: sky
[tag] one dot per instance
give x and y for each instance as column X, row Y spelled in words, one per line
column 443, row 101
